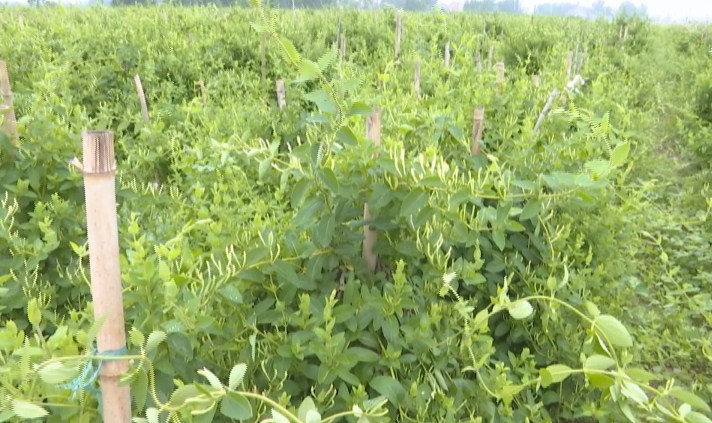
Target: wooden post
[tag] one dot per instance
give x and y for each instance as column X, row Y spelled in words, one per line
column 9, row 124
column 536, row 80
column 141, row 97
column 625, row 32
column 544, row 112
column 399, row 33
column 500, row 75
column 580, row 60
column 281, row 97
column 478, row 123
column 447, row 55
column 342, row 47
column 373, row 132
column 569, row 65
column 203, row 91
column 490, row 56
column 99, row 169
column 416, row 78
column 478, row 60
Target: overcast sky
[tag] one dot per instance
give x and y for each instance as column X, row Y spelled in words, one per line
column 675, row 9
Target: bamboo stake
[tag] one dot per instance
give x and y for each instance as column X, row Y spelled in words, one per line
column 500, row 75
column 478, row 60
column 490, row 56
column 99, row 169
column 342, row 47
column 9, row 121
column 447, row 55
column 544, row 112
column 416, row 78
column 580, row 60
column 373, row 132
column 141, row 97
column 203, row 91
column 536, row 80
column 281, row 97
column 478, row 121
column 569, row 65
column 399, row 33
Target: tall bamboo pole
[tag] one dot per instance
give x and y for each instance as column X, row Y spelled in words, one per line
column 141, row 97
column 373, row 132
column 9, row 121
column 102, row 229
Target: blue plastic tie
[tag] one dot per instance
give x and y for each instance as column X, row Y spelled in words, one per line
column 85, row 380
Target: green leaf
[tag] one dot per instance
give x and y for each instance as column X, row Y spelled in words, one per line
column 554, row 374
column 27, row 410
column 346, row 136
column 181, row 395
column 154, row 339
column 620, row 154
column 287, row 274
column 389, row 388
column 413, row 202
column 308, row 70
column 212, row 379
column 520, row 309
column 634, row 392
column 235, row 406
column 695, row 417
column 363, row 355
column 313, row 416
column 300, row 188
column 34, row 314
column 531, row 210
column 56, row 372
column 278, row 417
column 139, row 390
column 359, row 108
column 499, row 239
column 152, row 415
column 613, row 330
column 324, row 230
column 599, row 362
column 306, row 406
column 326, row 60
column 290, row 51
column 237, row 374
column 640, row 375
column 690, row 398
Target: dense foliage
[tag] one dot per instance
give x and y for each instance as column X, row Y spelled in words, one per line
column 561, row 274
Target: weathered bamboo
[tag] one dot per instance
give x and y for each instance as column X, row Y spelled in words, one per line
column 416, row 78
column 99, row 169
column 373, row 133
column 569, row 65
column 500, row 75
column 141, row 97
column 478, row 60
column 9, row 124
column 544, row 112
column 342, row 47
column 447, row 55
column 478, row 123
column 490, row 57
column 281, row 96
column 203, row 91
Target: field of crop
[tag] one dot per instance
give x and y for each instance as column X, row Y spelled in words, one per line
column 429, row 228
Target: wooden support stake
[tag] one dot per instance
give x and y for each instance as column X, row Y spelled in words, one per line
column 141, row 97
column 203, row 91
column 373, row 132
column 9, row 124
column 569, row 65
column 500, row 75
column 536, row 80
column 342, row 47
column 490, row 57
column 478, row 60
column 544, row 112
column 625, row 32
column 478, row 123
column 580, row 60
column 102, row 229
column 416, row 78
column 281, row 96
column 399, row 33
column 447, row 55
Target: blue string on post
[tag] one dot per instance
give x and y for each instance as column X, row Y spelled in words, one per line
column 87, row 377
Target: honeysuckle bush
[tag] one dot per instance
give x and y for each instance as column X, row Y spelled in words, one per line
column 509, row 286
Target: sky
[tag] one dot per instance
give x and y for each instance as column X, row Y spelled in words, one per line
column 673, row 9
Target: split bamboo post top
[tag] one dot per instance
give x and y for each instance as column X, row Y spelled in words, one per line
column 9, row 124
column 373, row 133
column 141, row 97
column 99, row 169
column 416, row 78
column 399, row 34
column 500, row 74
column 447, row 55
